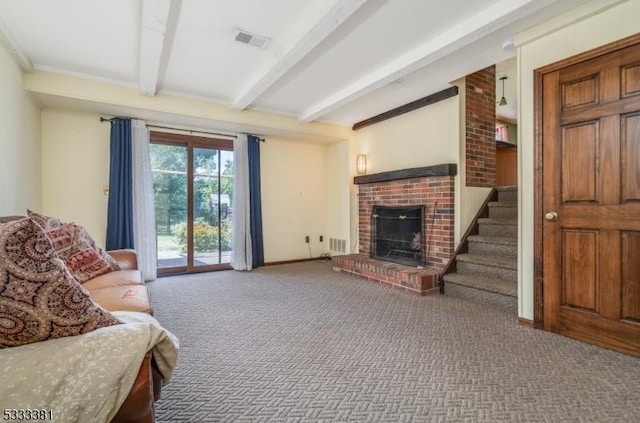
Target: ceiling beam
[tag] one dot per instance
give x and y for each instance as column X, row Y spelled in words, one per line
column 468, row 31
column 409, row 107
column 153, row 33
column 12, row 46
column 318, row 31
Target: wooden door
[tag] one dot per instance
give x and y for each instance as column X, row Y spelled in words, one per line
column 591, row 180
column 506, row 165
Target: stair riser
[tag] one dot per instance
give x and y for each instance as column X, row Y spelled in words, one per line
column 501, row 302
column 506, row 231
column 493, row 250
column 500, row 273
column 508, row 195
column 503, row 212
column 493, row 285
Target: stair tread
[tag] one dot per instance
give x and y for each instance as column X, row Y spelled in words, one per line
column 497, row 286
column 503, row 204
column 498, row 221
column 494, row 240
column 507, row 188
column 505, row 263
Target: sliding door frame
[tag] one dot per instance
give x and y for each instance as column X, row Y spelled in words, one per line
column 191, row 142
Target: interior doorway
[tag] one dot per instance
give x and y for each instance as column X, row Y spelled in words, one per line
column 193, row 188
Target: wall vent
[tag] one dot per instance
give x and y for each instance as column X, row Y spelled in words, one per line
column 337, row 245
column 246, row 37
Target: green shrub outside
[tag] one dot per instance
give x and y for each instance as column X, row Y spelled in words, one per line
column 205, row 236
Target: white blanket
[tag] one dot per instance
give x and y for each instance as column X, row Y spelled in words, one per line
column 84, row 378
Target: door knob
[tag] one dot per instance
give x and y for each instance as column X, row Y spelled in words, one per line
column 551, row 216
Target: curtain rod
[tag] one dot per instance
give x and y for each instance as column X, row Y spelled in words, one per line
column 192, row 131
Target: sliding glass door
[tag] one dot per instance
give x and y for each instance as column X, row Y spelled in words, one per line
column 212, row 195
column 170, row 187
column 193, row 185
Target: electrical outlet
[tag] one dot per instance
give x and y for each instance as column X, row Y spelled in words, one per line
column 306, row 239
column 321, row 238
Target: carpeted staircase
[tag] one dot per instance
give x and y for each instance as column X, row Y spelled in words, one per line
column 490, row 265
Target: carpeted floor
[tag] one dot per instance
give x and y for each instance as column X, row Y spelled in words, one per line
column 299, row 342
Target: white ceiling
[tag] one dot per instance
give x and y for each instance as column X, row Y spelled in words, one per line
column 339, row 61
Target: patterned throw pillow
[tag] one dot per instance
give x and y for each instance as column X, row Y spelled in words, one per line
column 91, row 243
column 85, row 264
column 39, row 299
column 46, row 222
column 76, row 248
column 79, row 252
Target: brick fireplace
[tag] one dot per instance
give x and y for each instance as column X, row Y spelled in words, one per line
column 429, row 188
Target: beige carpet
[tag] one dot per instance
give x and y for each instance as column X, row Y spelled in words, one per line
column 299, row 342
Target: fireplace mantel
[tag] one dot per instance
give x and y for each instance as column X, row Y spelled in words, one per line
column 447, row 169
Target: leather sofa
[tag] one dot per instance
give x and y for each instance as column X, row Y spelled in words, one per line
column 121, row 290
column 124, row 290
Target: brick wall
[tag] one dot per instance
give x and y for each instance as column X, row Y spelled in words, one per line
column 435, row 193
column 480, row 114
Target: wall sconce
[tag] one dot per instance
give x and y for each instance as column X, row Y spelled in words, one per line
column 361, row 164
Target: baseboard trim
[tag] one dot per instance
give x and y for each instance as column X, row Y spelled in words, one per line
column 276, row 263
column 525, row 322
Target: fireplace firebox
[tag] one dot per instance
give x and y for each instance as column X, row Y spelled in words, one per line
column 397, row 234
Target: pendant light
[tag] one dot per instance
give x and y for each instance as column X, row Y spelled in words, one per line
column 503, row 100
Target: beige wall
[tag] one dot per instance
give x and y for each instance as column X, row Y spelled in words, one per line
column 594, row 24
column 75, row 167
column 423, row 137
column 297, row 167
column 294, row 198
column 338, row 193
column 20, row 186
column 192, row 113
column 296, row 201
column 428, row 136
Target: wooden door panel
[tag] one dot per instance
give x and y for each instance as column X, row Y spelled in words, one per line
column 580, row 269
column 581, row 92
column 579, row 146
column 577, row 115
column 624, row 58
column 631, row 276
column 609, row 260
column 630, row 157
column 630, row 77
column 590, row 116
column 551, row 157
column 581, row 215
column 609, row 161
column 595, row 330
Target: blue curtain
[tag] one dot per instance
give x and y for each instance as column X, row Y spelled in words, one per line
column 255, row 207
column 120, row 206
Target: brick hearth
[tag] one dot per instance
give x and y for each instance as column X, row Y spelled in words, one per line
column 432, row 187
column 410, row 279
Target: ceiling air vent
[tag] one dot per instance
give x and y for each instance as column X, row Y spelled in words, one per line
column 245, row 37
